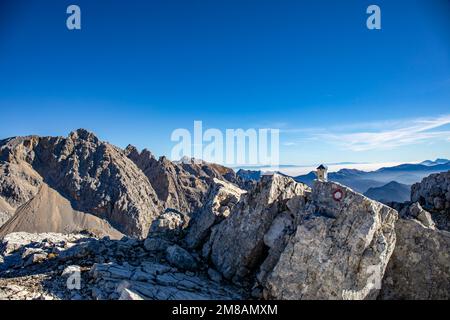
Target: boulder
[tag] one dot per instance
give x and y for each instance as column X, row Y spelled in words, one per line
column 415, row 211
column 183, row 185
column 340, row 250
column 221, row 200
column 180, row 258
column 236, row 246
column 433, row 194
column 169, row 225
column 15, row 241
column 419, row 268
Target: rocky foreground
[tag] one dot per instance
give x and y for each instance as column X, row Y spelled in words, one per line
column 280, row 240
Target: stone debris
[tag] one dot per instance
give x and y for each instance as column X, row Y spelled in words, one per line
column 221, row 200
column 156, row 244
column 236, row 246
column 109, row 270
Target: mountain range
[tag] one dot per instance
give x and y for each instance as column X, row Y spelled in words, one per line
column 142, row 228
column 361, row 181
column 378, row 182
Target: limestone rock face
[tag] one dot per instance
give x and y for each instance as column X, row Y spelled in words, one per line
column 415, row 211
column 236, row 246
column 433, row 194
column 221, row 200
column 420, row 265
column 95, row 176
column 340, row 249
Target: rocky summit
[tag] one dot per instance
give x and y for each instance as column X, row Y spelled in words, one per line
column 82, row 219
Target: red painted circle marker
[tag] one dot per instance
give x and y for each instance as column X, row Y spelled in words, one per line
column 338, row 195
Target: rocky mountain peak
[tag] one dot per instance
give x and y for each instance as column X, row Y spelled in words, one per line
column 131, row 151
column 96, row 177
column 83, row 134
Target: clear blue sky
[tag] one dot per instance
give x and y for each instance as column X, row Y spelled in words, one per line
column 140, row 69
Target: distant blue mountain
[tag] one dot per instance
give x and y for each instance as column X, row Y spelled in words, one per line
column 361, row 181
column 249, row 175
column 352, row 178
column 436, row 162
column 391, row 192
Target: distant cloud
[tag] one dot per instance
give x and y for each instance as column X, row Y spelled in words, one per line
column 388, row 135
column 289, row 144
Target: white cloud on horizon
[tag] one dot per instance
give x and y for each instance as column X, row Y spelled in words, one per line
column 392, row 135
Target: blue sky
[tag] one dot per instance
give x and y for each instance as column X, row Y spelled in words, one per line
column 140, row 69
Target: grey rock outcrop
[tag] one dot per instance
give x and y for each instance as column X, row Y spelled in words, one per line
column 221, row 200
column 419, row 268
column 420, row 265
column 209, row 233
column 174, row 187
column 236, row 246
column 433, row 194
column 340, row 250
column 4, row 216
